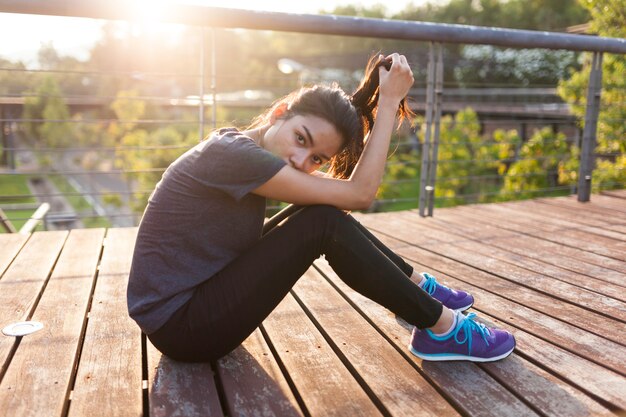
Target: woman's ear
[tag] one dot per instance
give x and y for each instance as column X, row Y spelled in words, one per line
column 278, row 112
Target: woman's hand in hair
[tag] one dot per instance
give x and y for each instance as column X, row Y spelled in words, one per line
column 396, row 82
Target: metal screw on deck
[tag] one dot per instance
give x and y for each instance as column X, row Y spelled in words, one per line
column 587, row 160
column 434, row 93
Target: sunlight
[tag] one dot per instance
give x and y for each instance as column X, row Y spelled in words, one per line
column 149, row 12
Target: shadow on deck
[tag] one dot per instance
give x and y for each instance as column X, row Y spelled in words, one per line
column 551, row 270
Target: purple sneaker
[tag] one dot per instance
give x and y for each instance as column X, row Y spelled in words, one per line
column 469, row 341
column 453, row 299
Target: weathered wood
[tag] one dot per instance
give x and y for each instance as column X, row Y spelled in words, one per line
column 580, row 372
column 579, row 281
column 508, row 278
column 505, row 223
column 466, row 385
column 600, row 204
column 396, row 384
column 538, row 255
column 609, row 202
column 47, row 358
column 109, row 373
column 545, row 392
column 23, row 282
column 614, row 193
column 548, row 217
column 10, row 245
column 592, row 242
column 564, row 334
column 558, row 219
column 620, row 228
column 178, row 389
column 603, row 202
column 326, row 386
column 253, row 382
column 483, row 257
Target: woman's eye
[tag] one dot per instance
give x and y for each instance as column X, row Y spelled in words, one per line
column 317, row 160
column 300, row 139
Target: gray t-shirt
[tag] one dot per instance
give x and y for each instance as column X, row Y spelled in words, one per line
column 199, row 218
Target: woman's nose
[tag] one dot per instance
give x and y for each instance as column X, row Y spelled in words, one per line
column 298, row 160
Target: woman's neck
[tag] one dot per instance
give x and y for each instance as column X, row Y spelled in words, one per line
column 256, row 134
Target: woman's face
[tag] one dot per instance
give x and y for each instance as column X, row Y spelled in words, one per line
column 304, row 142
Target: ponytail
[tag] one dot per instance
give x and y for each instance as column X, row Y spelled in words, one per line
column 353, row 116
column 365, row 101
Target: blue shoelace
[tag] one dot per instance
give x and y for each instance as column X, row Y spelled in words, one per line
column 468, row 325
column 431, row 283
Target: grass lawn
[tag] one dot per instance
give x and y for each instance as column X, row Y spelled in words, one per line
column 82, row 206
column 17, row 185
column 14, row 185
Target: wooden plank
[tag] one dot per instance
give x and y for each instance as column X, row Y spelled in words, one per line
column 510, row 278
column 577, row 371
column 591, row 206
column 545, row 391
column 621, row 228
column 522, row 254
column 387, row 373
column 560, row 219
column 490, row 214
column 553, row 288
column 614, row 193
column 605, row 201
column 465, row 384
column 178, row 389
column 23, row 282
column 593, row 378
column 552, row 217
column 325, row 385
column 593, row 347
column 253, row 382
column 529, row 246
column 39, row 377
column 10, row 245
column 109, row 373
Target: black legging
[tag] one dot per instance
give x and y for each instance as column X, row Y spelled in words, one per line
column 225, row 309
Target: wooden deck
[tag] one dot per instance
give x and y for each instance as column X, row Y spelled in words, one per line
column 552, row 270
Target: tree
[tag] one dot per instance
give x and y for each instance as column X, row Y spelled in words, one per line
column 48, row 112
column 519, row 14
column 537, row 166
column 608, row 19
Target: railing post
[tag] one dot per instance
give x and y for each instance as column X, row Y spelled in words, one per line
column 429, row 153
column 587, row 160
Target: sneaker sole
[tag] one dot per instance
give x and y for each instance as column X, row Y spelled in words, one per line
column 440, row 357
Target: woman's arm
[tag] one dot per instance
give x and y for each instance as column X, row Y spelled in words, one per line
column 359, row 191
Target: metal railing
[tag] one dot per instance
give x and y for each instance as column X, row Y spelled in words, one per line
column 433, row 108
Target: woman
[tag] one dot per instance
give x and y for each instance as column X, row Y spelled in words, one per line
column 203, row 278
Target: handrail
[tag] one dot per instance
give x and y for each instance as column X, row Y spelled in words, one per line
column 322, row 24
column 34, row 220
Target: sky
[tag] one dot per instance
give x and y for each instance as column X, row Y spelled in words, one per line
column 22, row 35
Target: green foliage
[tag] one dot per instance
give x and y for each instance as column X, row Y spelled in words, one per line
column 47, row 104
column 520, row 14
column 520, row 67
column 608, row 19
column 538, row 164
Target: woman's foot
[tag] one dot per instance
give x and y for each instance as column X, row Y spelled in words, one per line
column 465, row 340
column 453, row 299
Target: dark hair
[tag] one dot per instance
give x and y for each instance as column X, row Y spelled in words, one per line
column 352, row 116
